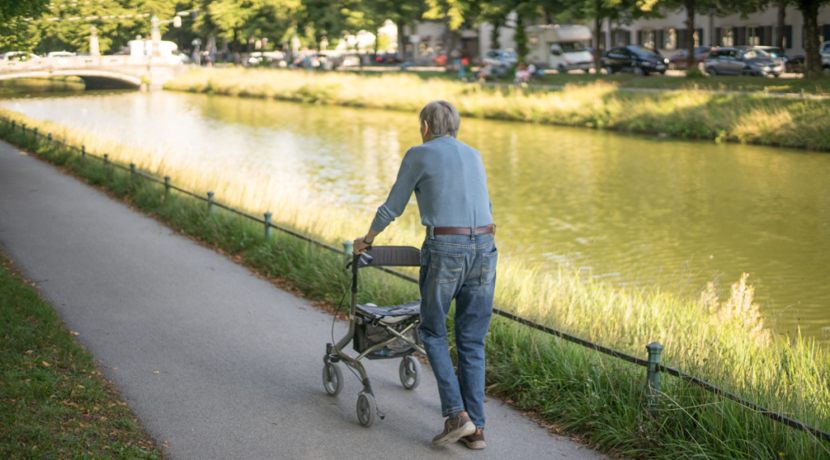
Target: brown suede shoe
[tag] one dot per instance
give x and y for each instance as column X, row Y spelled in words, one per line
column 454, row 430
column 474, row 441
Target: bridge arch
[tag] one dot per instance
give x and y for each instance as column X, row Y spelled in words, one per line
column 93, row 79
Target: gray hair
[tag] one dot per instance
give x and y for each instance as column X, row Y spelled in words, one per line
column 441, row 117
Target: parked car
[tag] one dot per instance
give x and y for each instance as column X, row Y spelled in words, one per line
column 825, row 57
column 679, row 59
column 501, row 58
column 743, row 61
column 774, row 51
column 18, row 56
column 636, row 59
column 794, row 64
column 59, row 54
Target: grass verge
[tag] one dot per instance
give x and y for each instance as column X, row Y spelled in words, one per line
column 785, row 122
column 570, row 388
column 54, row 403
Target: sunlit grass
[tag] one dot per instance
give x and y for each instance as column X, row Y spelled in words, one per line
column 599, row 104
column 721, row 340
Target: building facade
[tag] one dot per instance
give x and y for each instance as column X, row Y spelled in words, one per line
column 666, row 34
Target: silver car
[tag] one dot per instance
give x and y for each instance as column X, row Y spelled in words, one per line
column 505, row 58
column 743, row 61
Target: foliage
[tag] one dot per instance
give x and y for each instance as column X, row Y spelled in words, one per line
column 115, row 20
column 238, row 20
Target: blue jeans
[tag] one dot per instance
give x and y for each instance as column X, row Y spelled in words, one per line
column 460, row 267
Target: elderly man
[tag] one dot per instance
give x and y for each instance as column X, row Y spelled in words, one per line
column 458, row 262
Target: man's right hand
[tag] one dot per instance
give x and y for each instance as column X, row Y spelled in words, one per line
column 360, row 246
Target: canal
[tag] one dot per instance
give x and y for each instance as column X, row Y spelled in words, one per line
column 631, row 210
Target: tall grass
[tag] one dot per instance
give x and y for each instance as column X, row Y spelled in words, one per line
column 802, row 123
column 722, row 340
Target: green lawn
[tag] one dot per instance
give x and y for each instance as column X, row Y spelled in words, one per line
column 53, row 401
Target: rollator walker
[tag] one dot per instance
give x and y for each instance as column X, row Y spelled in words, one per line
column 377, row 333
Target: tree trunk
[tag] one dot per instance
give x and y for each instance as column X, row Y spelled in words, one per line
column 401, row 41
column 520, row 38
column 494, row 34
column 782, row 15
column 690, row 34
column 812, row 58
column 597, row 45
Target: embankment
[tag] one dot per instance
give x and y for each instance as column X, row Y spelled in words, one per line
column 785, row 122
column 574, row 389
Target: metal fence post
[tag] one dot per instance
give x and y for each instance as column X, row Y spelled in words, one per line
column 23, row 126
column 106, row 158
column 268, row 229
column 35, row 133
column 83, row 151
column 655, row 350
column 50, row 139
column 14, row 125
column 166, row 184
column 348, row 247
column 211, row 207
column 132, row 170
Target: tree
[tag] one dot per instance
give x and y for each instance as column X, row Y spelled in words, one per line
column 238, row 20
column 812, row 56
column 14, row 9
column 780, row 25
column 615, row 11
column 403, row 13
column 455, row 14
column 332, row 18
column 706, row 7
column 67, row 26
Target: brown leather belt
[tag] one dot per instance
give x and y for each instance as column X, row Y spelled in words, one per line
column 462, row 230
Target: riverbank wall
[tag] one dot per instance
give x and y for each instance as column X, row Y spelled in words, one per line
column 570, row 388
column 784, row 122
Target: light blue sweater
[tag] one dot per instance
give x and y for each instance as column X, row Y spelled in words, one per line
column 449, row 182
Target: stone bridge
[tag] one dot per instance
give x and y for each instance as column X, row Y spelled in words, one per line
column 100, row 72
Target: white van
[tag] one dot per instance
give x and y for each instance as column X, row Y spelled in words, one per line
column 560, row 47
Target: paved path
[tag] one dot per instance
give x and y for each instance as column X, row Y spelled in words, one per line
column 239, row 361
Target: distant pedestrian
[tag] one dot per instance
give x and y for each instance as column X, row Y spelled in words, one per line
column 458, row 262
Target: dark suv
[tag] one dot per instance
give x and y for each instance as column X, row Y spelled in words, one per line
column 637, row 59
column 743, row 61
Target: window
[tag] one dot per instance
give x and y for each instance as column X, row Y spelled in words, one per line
column 754, row 36
column 727, row 36
column 788, row 37
column 569, row 47
column 671, row 40
column 620, row 37
column 738, row 36
column 644, row 52
column 824, row 33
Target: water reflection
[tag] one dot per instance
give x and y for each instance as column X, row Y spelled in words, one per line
column 634, row 209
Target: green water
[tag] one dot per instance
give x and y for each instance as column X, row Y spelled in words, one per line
column 628, row 209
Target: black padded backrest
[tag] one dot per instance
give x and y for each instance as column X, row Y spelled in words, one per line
column 392, row 256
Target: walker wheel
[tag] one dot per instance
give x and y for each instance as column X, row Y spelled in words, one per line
column 410, row 372
column 367, row 410
column 332, row 379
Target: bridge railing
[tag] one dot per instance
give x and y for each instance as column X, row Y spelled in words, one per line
column 76, row 62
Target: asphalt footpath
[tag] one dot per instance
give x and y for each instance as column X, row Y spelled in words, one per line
column 216, row 362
